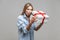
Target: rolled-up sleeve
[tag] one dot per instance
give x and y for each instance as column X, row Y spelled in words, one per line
column 21, row 25
column 24, row 28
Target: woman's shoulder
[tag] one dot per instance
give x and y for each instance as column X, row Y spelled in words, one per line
column 20, row 16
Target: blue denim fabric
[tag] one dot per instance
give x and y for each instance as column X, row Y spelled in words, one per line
column 23, row 33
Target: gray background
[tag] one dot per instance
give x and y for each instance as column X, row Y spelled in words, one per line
column 10, row 9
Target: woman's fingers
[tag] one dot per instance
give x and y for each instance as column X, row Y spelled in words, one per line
column 33, row 19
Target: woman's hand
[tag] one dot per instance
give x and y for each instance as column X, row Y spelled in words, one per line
column 32, row 19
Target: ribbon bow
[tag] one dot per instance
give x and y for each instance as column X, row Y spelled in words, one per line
column 40, row 13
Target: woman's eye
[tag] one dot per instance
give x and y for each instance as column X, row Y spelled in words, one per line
column 29, row 9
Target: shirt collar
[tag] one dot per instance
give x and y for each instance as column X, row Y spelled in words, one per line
column 25, row 15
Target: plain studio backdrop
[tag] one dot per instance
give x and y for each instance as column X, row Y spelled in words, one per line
column 10, row 9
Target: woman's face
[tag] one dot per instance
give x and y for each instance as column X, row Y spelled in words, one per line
column 28, row 11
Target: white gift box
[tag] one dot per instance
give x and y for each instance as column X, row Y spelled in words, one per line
column 39, row 16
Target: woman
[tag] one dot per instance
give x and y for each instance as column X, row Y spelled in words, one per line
column 26, row 26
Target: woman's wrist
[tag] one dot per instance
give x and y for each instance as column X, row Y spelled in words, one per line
column 30, row 23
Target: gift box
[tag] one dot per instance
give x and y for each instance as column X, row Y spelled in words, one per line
column 39, row 16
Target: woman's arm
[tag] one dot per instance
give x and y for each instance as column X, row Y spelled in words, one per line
column 39, row 26
column 28, row 26
column 31, row 21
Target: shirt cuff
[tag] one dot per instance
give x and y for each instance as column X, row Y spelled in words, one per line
column 25, row 30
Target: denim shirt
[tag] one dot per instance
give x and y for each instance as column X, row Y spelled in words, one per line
column 23, row 33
